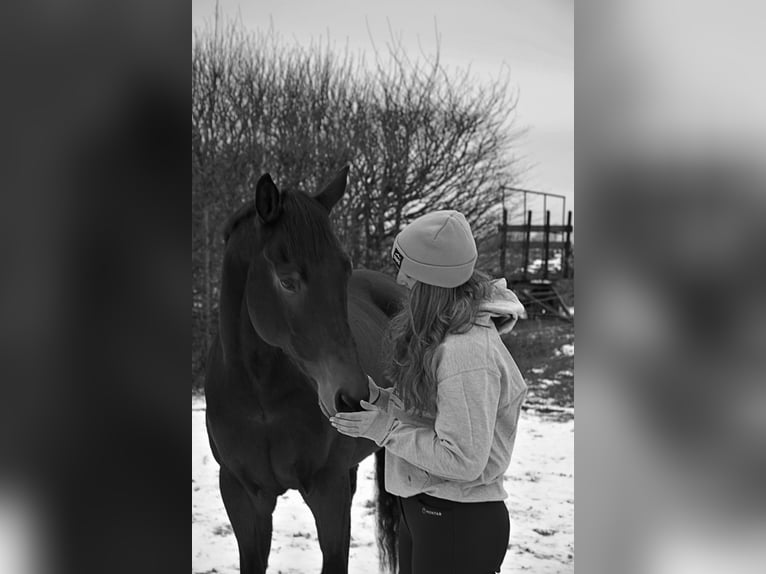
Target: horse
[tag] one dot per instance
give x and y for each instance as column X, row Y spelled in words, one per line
column 299, row 332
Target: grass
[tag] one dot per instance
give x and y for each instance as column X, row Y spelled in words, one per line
column 536, row 347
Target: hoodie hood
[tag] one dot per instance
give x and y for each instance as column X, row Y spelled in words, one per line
column 503, row 308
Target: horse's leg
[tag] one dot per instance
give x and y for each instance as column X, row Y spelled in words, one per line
column 352, row 478
column 250, row 517
column 329, row 498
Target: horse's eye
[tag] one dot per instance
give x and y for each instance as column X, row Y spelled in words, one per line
column 289, row 283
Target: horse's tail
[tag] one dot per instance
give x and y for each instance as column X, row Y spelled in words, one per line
column 387, row 518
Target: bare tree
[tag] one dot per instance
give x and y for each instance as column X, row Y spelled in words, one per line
column 418, row 138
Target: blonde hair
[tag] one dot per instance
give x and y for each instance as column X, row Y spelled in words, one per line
column 415, row 333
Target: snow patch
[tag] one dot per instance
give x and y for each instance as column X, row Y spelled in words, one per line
column 540, row 503
column 566, row 349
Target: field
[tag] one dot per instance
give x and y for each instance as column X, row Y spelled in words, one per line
column 539, row 481
column 544, row 351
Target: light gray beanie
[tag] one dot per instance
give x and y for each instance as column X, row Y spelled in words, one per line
column 437, row 248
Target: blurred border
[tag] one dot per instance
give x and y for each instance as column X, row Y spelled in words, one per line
column 671, row 396
column 94, row 227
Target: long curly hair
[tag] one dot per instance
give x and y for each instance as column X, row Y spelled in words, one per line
column 415, row 333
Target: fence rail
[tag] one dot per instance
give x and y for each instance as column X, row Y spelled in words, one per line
column 562, row 241
column 536, row 228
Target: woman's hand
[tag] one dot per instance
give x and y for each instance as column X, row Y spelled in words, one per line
column 374, row 390
column 371, row 423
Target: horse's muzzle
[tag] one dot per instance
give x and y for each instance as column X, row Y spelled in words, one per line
column 346, row 404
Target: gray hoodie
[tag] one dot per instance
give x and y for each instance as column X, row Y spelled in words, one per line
column 464, row 452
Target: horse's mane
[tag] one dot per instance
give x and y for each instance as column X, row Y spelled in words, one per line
column 247, row 211
column 300, row 211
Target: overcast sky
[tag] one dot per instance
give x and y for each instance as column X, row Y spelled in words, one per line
column 534, row 38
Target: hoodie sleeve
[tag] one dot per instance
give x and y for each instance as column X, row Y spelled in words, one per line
column 503, row 307
column 383, row 398
column 457, row 446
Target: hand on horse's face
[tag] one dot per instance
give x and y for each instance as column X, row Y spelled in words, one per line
column 355, row 424
column 374, row 391
column 371, row 423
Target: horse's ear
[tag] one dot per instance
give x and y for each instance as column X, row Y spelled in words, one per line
column 334, row 190
column 268, row 202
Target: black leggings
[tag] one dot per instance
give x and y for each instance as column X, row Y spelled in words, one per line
column 438, row 536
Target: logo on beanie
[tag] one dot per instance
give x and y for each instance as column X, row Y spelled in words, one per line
column 397, row 257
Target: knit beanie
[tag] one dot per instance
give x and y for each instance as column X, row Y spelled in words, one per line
column 437, row 248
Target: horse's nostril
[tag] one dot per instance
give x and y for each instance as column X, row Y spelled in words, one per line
column 345, row 404
column 338, row 402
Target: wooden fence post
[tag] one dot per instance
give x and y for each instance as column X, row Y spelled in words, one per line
column 526, row 243
column 547, row 232
column 568, row 245
column 503, row 236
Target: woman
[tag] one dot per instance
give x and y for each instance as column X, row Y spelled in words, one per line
column 449, row 425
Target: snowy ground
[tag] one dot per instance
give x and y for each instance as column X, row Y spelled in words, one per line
column 541, row 505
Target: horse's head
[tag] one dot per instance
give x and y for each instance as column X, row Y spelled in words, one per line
column 297, row 290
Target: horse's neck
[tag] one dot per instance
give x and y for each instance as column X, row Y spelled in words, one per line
column 242, row 346
column 233, row 279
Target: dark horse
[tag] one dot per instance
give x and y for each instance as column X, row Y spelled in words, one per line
column 298, row 332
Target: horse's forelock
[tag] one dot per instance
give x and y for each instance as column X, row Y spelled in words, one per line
column 244, row 213
column 307, row 227
column 303, row 227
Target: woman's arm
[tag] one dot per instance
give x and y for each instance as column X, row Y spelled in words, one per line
column 384, row 399
column 457, row 446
